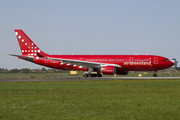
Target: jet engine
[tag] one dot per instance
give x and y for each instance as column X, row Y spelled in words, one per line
column 108, row 70
column 121, row 71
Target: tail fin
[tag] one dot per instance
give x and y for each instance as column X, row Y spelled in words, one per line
column 27, row 45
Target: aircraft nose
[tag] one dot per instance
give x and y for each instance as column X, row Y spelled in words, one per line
column 171, row 63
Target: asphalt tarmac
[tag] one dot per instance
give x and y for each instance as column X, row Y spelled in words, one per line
column 87, row 79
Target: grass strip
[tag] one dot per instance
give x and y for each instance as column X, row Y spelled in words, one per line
column 111, row 99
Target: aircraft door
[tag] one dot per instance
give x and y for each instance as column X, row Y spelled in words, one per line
column 156, row 61
column 131, row 59
column 46, row 60
column 80, row 59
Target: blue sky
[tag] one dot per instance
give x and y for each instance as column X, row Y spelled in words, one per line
column 90, row 27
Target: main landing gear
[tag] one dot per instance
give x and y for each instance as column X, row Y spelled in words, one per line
column 92, row 75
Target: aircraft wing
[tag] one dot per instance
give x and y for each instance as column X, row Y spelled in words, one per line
column 84, row 64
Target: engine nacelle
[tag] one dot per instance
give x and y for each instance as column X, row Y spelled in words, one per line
column 108, row 70
column 121, row 71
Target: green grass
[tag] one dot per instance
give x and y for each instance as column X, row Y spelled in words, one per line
column 105, row 100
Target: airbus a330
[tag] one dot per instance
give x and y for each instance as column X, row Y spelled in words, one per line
column 93, row 65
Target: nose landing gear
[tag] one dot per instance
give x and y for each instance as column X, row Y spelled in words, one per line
column 155, row 75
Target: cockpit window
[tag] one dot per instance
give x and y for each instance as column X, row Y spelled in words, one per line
column 166, row 59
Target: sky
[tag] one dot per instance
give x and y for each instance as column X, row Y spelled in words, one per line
column 90, row 27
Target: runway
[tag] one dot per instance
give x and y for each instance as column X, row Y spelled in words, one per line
column 87, row 79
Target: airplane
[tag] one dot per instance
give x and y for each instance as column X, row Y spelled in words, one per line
column 92, row 65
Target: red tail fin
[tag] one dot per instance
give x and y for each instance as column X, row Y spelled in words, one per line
column 27, row 45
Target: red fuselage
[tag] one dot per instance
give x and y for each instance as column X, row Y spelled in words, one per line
column 127, row 62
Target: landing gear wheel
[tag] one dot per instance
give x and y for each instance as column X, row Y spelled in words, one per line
column 85, row 75
column 99, row 75
column 154, row 75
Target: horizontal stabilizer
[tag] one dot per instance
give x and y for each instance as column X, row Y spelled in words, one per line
column 29, row 58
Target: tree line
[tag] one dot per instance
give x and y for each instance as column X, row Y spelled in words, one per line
column 28, row 70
